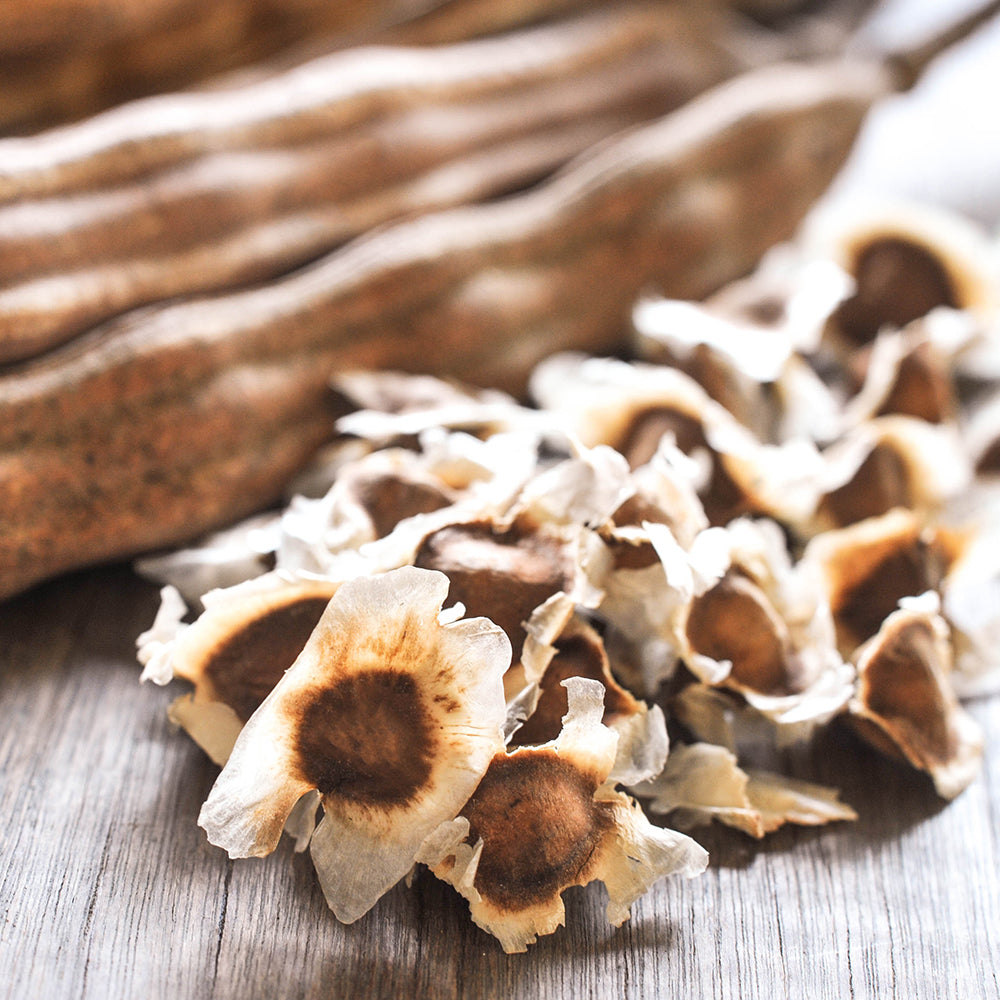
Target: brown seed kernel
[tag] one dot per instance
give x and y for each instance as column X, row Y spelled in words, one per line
column 246, row 664
column 579, row 654
column 898, row 281
column 905, row 706
column 366, row 739
column 735, row 621
column 643, row 436
column 629, row 554
column 988, row 462
column 500, row 574
column 539, row 824
column 723, row 498
column 880, row 483
column 389, row 499
column 718, row 379
column 909, row 568
column 922, row 388
column 896, row 685
column 636, row 509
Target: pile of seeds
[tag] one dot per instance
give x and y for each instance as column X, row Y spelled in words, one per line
column 464, row 641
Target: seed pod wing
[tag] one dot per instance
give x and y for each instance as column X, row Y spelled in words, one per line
column 390, row 715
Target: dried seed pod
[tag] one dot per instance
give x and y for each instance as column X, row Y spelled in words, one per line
column 869, row 566
column 390, row 714
column 905, row 706
column 192, row 192
column 641, row 728
column 702, row 782
column 495, row 286
column 234, row 653
column 546, row 818
column 906, row 260
column 888, row 462
column 62, row 60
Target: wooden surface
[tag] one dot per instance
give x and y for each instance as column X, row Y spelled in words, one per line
column 108, row 888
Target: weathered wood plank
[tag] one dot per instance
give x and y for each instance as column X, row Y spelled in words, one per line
column 109, row 889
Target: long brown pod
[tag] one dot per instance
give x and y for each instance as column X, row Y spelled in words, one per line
column 210, row 218
column 63, row 59
column 682, row 205
column 313, row 100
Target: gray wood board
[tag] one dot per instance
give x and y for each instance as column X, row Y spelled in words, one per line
column 109, row 889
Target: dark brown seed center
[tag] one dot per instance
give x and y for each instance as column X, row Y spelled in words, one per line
column 897, row 281
column 899, row 685
column 500, row 574
column 735, row 621
column 880, row 483
column 647, row 429
column 540, row 826
column 580, row 655
column 248, row 663
column 722, row 497
column 922, row 388
column 988, row 462
column 907, row 571
column 390, row 499
column 368, row 739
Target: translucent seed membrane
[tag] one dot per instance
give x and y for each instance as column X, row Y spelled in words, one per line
column 390, row 714
column 634, row 407
column 910, row 373
column 526, row 575
column 641, row 728
column 768, row 620
column 889, row 462
column 741, row 344
column 546, row 818
column 703, row 782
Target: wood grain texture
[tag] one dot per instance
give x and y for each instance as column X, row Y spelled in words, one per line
column 108, row 888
